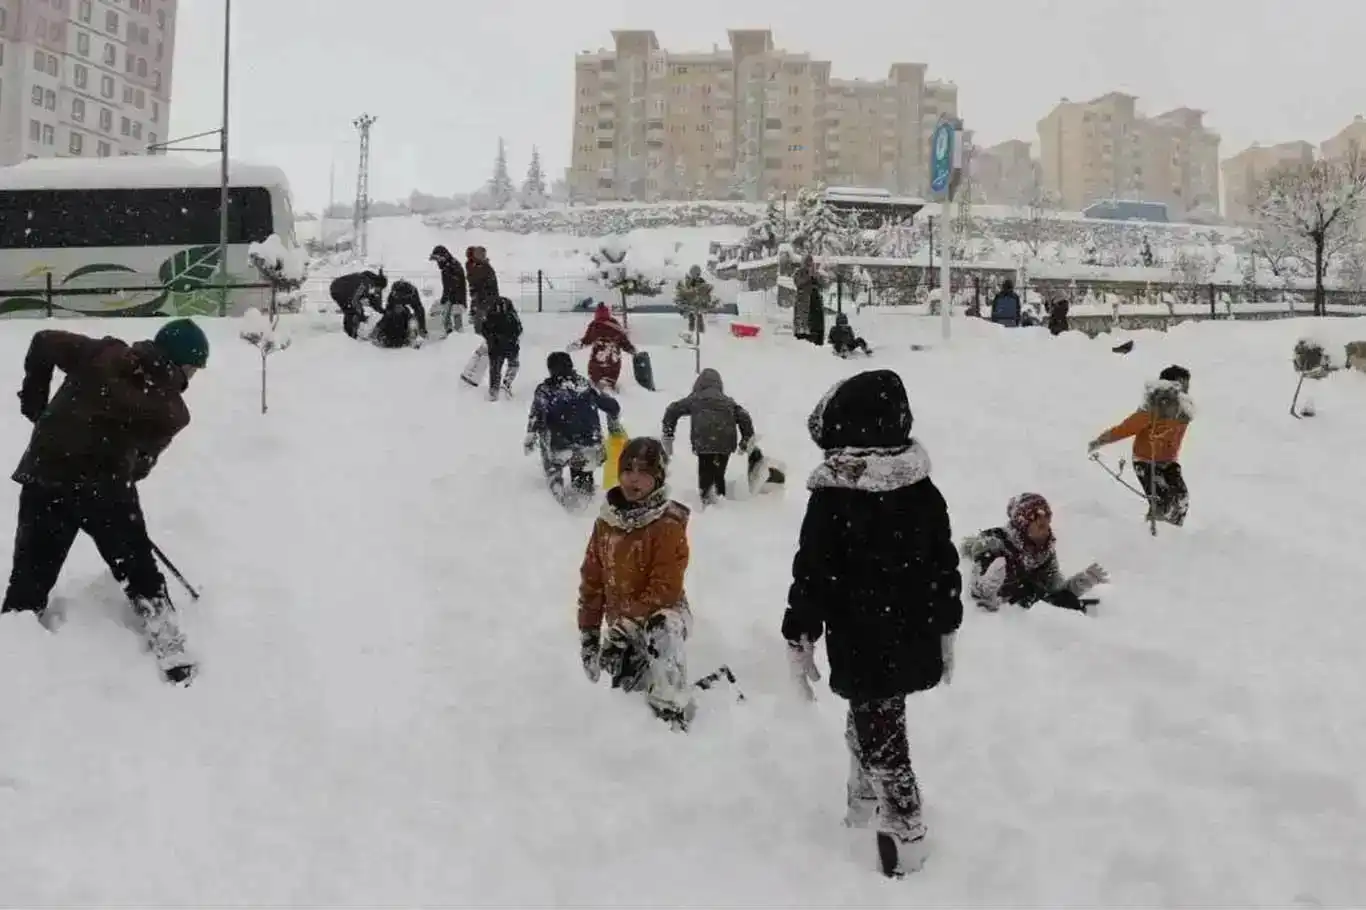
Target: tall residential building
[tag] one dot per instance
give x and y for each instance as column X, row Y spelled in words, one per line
column 84, row 78
column 1104, row 149
column 1004, row 174
column 746, row 121
column 1245, row 172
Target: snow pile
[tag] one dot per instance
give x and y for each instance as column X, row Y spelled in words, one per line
column 391, row 709
column 600, row 220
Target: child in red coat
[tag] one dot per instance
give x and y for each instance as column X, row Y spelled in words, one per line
column 606, row 339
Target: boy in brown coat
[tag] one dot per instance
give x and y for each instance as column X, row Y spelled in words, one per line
column 633, row 613
column 117, row 410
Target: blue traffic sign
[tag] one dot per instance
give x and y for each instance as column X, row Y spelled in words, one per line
column 941, row 157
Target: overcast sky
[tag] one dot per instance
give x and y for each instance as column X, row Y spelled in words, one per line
column 448, row 77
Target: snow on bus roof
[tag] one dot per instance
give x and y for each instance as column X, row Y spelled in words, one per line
column 133, row 172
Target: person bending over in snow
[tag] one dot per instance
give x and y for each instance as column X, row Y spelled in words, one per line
column 564, row 425
column 403, row 321
column 634, row 617
column 1018, row 563
column 118, row 408
column 502, row 331
column 1158, row 428
column 877, row 570
column 843, row 341
column 719, row 427
column 353, row 292
column 606, row 339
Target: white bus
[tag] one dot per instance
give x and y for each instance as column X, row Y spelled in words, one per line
column 133, row 236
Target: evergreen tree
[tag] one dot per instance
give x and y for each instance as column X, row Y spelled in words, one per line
column 533, row 189
column 816, row 222
column 500, row 187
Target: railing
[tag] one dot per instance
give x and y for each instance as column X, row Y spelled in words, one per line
column 199, row 300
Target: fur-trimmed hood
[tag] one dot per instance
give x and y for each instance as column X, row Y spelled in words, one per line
column 871, row 470
column 1166, row 399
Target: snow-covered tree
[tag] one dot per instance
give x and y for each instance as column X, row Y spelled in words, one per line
column 1192, row 272
column 614, row 273
column 816, row 223
column 500, row 188
column 534, row 195
column 1314, row 209
column 1145, row 254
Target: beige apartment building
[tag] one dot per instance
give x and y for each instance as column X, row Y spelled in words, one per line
column 1003, row 174
column 84, row 78
column 1341, row 145
column 1245, row 172
column 1105, row 149
column 745, row 121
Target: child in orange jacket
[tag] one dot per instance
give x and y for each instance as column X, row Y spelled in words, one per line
column 1158, row 428
column 633, row 613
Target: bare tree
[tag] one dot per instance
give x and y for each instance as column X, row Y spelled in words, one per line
column 1039, row 207
column 1314, row 210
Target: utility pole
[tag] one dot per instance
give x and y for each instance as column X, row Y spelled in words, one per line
column 360, row 217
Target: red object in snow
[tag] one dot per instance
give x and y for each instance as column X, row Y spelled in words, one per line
column 744, row 330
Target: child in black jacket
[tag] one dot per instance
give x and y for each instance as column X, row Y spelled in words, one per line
column 877, row 570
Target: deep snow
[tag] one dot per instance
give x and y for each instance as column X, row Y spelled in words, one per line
column 391, row 709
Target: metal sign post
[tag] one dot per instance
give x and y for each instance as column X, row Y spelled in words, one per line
column 946, row 167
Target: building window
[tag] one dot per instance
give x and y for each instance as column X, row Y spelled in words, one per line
column 85, row 10
column 161, row 50
column 106, row 119
column 156, row 111
column 77, row 143
column 2, row 44
column 137, row 130
column 111, row 22
column 139, row 99
column 82, row 75
column 3, row 16
column 124, row 126
column 39, row 60
column 111, row 55
column 142, row 68
column 151, row 140
column 78, row 110
column 54, row 32
column 127, row 94
column 102, row 149
column 49, row 134
column 107, row 86
column 52, row 65
column 129, row 62
column 156, row 79
column 83, row 43
column 35, row 130
column 37, row 96
column 50, row 99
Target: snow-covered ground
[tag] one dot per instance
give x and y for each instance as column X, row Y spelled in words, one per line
column 391, row 710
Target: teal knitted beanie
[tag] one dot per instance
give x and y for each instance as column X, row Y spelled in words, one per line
column 183, row 342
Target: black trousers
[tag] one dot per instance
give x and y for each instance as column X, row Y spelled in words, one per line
column 1163, row 482
column 503, row 366
column 880, row 767
column 48, row 521
column 711, row 474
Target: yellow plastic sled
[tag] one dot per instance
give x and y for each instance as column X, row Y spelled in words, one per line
column 615, row 443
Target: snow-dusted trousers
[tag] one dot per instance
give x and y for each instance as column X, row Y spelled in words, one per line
column 581, row 461
column 650, row 657
column 882, row 788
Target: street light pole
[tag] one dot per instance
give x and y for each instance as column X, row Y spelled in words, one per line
column 223, row 178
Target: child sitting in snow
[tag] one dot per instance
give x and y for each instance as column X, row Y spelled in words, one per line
column 1018, row 563
column 843, row 340
column 1158, row 428
column 633, row 613
column 719, row 427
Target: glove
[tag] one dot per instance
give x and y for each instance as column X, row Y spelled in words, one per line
column 745, row 445
column 668, row 443
column 986, row 589
column 142, row 466
column 1087, row 579
column 529, row 444
column 801, row 656
column 590, row 650
column 946, row 652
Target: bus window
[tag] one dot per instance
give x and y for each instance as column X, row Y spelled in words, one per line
column 177, row 216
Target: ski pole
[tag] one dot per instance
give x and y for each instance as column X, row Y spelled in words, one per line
column 170, row 567
column 1118, row 476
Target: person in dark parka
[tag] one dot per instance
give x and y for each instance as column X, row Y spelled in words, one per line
column 565, row 426
column 403, row 320
column 483, row 285
column 843, row 341
column 502, row 331
column 876, row 572
column 719, row 427
column 353, row 292
column 453, row 289
column 1057, row 317
column 1006, row 309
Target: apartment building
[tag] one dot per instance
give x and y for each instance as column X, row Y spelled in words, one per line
column 1353, row 137
column 84, row 78
column 745, row 121
column 1245, row 172
column 1003, row 174
column 1105, row 149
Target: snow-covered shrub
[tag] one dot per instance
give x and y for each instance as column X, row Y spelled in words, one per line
column 283, row 268
column 262, row 332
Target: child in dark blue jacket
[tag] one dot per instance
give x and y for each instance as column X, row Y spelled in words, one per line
column 564, row 424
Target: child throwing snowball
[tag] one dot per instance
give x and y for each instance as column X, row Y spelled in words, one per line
column 633, row 613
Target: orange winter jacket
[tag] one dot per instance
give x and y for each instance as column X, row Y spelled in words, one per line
column 633, row 569
column 1158, row 427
